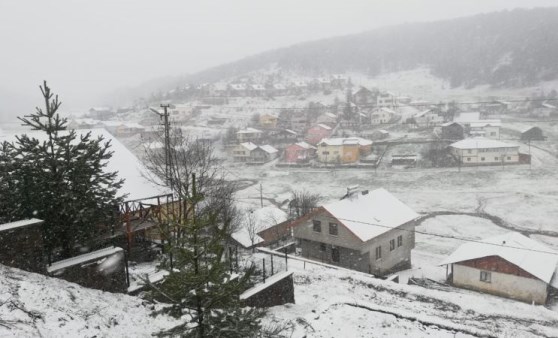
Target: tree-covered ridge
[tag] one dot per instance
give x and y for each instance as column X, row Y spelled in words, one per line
column 503, row 49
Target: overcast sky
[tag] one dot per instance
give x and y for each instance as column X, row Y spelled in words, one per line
column 87, row 48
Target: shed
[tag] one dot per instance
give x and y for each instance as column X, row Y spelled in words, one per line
column 103, row 269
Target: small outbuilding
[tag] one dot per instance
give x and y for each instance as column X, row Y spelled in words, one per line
column 532, row 134
column 509, row 265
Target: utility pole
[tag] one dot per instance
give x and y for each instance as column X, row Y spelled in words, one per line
column 168, row 158
column 261, row 195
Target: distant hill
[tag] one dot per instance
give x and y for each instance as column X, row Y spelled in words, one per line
column 504, row 49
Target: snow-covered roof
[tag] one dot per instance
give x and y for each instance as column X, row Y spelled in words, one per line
column 249, row 145
column 548, row 105
column 112, row 123
column 262, row 219
column 485, row 123
column 422, row 113
column 338, row 141
column 467, row 117
column 88, row 257
column 526, row 129
column 387, row 110
column 269, row 149
column 480, row 143
column 279, row 86
column 291, row 131
column 238, row 86
column 305, row 145
column 368, row 216
column 529, row 255
column 333, row 116
column 258, row 87
column 249, row 130
column 324, row 126
column 137, row 179
column 19, row 224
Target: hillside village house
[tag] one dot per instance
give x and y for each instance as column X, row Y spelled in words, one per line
column 364, row 96
column 268, row 121
column 278, row 89
column 256, row 90
column 428, row 118
column 263, row 154
column 482, row 151
column 343, row 150
column 282, row 136
column 371, row 232
column 387, row 100
column 509, row 265
column 249, row 135
column 485, row 128
column 545, row 110
column 382, row 116
column 318, row 132
column 300, row 152
column 532, row 134
column 243, row 152
column 452, row 131
column 329, row 119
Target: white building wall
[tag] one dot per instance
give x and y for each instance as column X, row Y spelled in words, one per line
column 511, row 286
column 488, row 156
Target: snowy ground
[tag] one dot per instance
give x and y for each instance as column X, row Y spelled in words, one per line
column 33, row 305
column 334, row 303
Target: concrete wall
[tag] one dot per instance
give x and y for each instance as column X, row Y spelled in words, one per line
column 348, row 258
column 392, row 260
column 511, row 286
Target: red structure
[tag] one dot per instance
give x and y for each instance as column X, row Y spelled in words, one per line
column 318, row 132
column 299, row 152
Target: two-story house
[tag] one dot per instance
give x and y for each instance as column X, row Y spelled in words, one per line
column 249, row 135
column 483, row 151
column 370, row 232
column 382, row 116
column 343, row 150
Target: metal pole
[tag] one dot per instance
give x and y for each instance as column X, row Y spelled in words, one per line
column 271, row 264
column 263, row 259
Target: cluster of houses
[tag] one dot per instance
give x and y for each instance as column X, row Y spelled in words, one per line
column 374, row 232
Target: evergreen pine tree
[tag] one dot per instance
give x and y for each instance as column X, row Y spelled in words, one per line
column 60, row 178
column 201, row 285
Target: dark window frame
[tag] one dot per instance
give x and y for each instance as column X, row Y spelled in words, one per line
column 316, row 226
column 335, row 227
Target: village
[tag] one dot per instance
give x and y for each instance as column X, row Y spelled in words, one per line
column 454, row 198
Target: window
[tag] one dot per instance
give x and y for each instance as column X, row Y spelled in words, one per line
column 468, row 159
column 509, row 158
column 392, row 245
column 322, row 247
column 496, row 158
column 333, row 229
column 399, row 240
column 469, row 151
column 317, row 226
column 493, row 133
column 482, row 158
column 335, row 254
column 485, row 276
column 378, row 252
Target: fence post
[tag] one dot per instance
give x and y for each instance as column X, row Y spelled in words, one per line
column 271, row 264
column 263, row 259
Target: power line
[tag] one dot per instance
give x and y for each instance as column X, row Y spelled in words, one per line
column 447, row 236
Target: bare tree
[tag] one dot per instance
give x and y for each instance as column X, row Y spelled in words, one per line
column 253, row 226
column 302, row 202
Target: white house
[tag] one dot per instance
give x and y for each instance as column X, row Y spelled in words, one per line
column 509, row 265
column 428, row 118
column 382, row 116
column 486, row 128
column 249, row 135
column 480, row 151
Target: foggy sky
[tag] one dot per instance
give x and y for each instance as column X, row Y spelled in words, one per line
column 86, row 49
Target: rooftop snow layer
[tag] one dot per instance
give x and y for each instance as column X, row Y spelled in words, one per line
column 249, row 145
column 347, row 140
column 20, row 224
column 248, row 131
column 269, row 149
column 480, row 143
column 88, row 257
column 370, row 215
column 529, row 255
column 137, row 179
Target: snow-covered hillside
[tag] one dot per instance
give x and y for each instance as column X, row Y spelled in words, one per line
column 33, row 305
